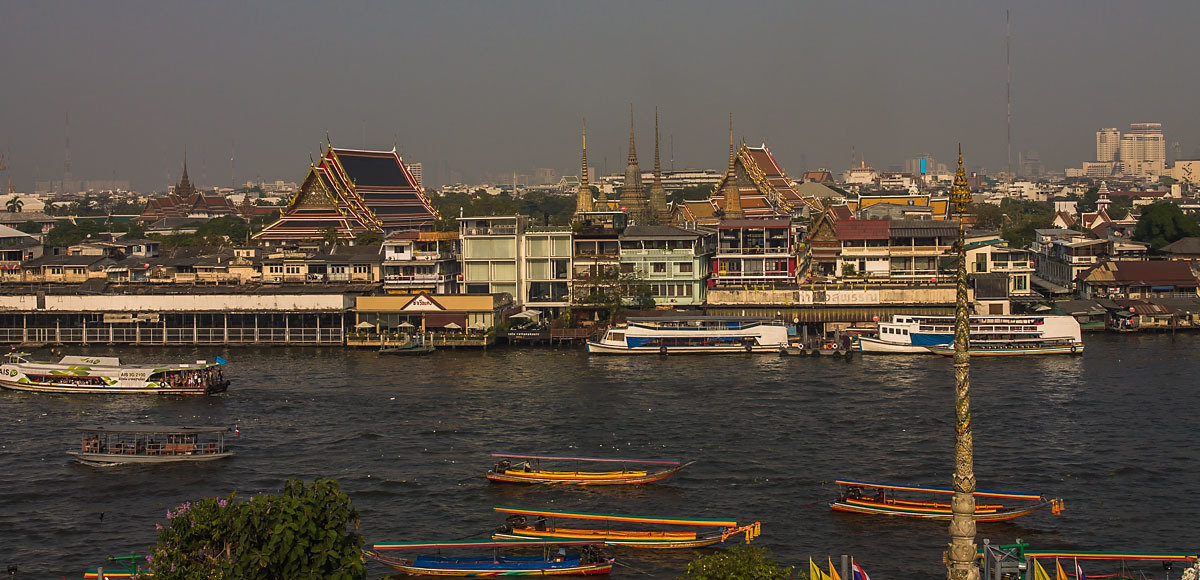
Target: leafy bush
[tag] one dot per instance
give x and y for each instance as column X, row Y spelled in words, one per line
column 739, row 563
column 305, row 532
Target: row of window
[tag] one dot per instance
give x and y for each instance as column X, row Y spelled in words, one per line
column 671, row 290
column 296, row 269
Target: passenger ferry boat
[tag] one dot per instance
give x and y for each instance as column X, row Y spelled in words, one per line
column 910, row 334
column 116, row 444
column 693, row 334
column 106, row 375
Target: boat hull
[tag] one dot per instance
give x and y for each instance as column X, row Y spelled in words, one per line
column 585, row 478
column 601, row 348
column 1013, row 351
column 473, row 568
column 646, row 540
column 121, row 458
column 111, row 390
column 867, row 344
column 939, row 512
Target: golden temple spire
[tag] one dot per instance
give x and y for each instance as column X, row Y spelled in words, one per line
column 658, row 194
column 583, row 201
column 633, row 197
column 730, row 191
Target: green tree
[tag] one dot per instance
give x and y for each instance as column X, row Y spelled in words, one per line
column 368, row 237
column 223, row 230
column 1162, row 223
column 14, row 204
column 330, row 236
column 1087, row 203
column 30, row 227
column 1022, row 218
column 67, row 234
column 304, row 532
column 738, row 563
column 987, row 215
column 691, row 193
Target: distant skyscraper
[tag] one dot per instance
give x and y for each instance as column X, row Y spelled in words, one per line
column 417, row 172
column 1143, row 150
column 1108, row 144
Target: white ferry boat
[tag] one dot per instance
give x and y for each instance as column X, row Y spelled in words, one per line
column 693, row 334
column 106, row 375
column 911, row 334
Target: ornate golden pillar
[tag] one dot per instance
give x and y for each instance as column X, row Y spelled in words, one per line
column 961, row 562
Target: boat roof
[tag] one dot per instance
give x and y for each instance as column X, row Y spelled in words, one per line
column 151, row 429
column 702, row 318
column 617, row 517
column 599, row 459
column 100, row 361
column 978, row 493
column 480, row 544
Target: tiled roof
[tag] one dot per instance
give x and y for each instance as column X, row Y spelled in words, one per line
column 862, row 229
column 1183, row 246
column 1145, row 273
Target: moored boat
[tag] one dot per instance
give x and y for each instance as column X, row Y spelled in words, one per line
column 554, row 560
column 107, row 375
column 915, row 334
column 117, row 444
column 710, row 532
column 693, row 334
column 855, row 498
column 529, row 470
column 1014, row 347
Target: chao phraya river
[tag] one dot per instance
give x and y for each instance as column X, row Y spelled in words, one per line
column 1112, row 432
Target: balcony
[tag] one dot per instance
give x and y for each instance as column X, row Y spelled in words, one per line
column 753, row 251
column 490, row 231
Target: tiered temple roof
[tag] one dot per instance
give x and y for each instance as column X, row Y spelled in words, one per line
column 766, row 190
column 353, row 191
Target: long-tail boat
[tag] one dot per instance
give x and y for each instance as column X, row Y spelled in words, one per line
column 884, row 502
column 554, row 559
column 713, row 531
column 529, row 470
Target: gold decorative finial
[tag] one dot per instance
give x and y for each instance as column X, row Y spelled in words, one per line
column 960, row 192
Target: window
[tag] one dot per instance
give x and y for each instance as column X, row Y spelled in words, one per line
column 627, row 268
column 1020, row 283
column 361, row 268
column 275, row 269
column 293, row 269
column 685, row 267
column 337, row 269
column 659, row 267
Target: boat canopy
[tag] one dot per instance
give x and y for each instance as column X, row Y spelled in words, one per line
column 151, row 429
column 700, row 318
column 96, row 361
column 480, row 544
column 618, row 517
column 977, row 493
column 599, row 459
column 1163, row 557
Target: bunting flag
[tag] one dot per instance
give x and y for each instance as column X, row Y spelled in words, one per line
column 1039, row 573
column 833, row 575
column 1058, row 570
column 814, row 571
column 1079, row 571
column 859, row 573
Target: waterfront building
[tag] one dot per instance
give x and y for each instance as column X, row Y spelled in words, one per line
column 864, row 248
column 596, row 260
column 1143, row 150
column 754, row 252
column 673, row 261
column 1108, row 145
column 415, row 262
column 917, row 246
column 503, row 254
column 351, row 191
column 546, row 269
column 470, row 313
column 1139, row 280
column 340, row 264
column 999, row 274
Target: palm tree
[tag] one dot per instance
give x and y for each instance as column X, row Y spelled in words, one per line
column 14, row 204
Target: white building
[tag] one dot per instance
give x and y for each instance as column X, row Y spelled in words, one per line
column 1143, row 150
column 1108, row 145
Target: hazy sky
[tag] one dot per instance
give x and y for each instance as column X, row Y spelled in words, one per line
column 491, row 87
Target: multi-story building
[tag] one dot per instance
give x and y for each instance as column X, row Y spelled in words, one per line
column 415, row 262
column 916, row 247
column 1138, row 280
column 546, row 268
column 1143, row 150
column 16, row 247
column 596, row 260
column 505, row 254
column 1063, row 254
column 754, row 251
column 673, row 261
column 864, row 248
column 999, row 274
column 1108, row 145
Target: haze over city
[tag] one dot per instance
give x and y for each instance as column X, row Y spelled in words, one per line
column 472, row 89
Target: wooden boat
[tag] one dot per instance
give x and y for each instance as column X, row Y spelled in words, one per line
column 116, row 444
column 530, row 471
column 883, row 502
column 714, row 531
column 1009, row 559
column 554, row 560
column 106, row 375
column 1014, row 347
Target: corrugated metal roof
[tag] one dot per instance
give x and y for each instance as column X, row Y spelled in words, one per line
column 923, row 228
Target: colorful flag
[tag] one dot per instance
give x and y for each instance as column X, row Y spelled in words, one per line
column 859, row 573
column 814, row 572
column 1079, row 571
column 833, row 575
column 220, row 360
column 1039, row 573
column 1058, row 570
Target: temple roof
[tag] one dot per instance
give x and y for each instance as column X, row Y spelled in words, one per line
column 766, row 190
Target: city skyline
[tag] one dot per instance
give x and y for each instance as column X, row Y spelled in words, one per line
column 482, row 89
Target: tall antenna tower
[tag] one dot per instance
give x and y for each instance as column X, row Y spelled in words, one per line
column 1008, row 84
column 232, row 165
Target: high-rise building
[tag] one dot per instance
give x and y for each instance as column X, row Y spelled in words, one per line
column 417, row 173
column 1108, row 144
column 1143, row 150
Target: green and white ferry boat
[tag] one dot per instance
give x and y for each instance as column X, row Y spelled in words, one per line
column 106, row 375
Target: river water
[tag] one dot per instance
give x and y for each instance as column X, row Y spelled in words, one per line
column 1112, row 432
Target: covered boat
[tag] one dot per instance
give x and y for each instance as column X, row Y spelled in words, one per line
column 554, row 560
column 709, row 532
column 1033, row 346
column 529, row 470
column 693, row 334
column 116, row 444
column 917, row 334
column 106, row 375
column 866, row 497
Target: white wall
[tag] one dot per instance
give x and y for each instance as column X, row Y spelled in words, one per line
column 183, row 303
